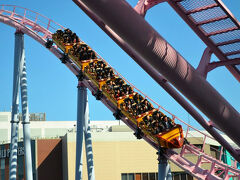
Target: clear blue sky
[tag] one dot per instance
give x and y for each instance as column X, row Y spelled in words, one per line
column 52, row 87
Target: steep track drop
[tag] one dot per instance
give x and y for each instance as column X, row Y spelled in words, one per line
column 41, row 31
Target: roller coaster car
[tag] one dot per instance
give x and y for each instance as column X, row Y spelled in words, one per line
column 67, row 46
column 92, row 75
column 109, row 93
column 172, row 138
column 58, row 40
column 140, row 117
column 128, row 113
column 120, row 100
column 85, row 63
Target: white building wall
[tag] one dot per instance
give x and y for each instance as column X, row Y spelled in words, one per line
column 53, row 129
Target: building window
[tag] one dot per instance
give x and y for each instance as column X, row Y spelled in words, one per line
column 234, row 178
column 181, row 176
column 2, row 168
column 154, row 176
column 145, row 176
column 140, row 176
column 124, row 177
column 199, row 146
column 215, row 152
column 131, row 176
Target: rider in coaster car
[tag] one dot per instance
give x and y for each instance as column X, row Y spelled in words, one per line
column 59, row 33
column 109, row 72
column 76, row 50
column 75, row 38
column 165, row 122
column 92, row 67
column 117, row 92
column 127, row 89
column 83, row 54
column 67, row 36
column 158, row 128
column 171, row 122
column 101, row 64
column 119, row 81
column 68, row 32
column 91, row 54
column 100, row 74
column 140, row 109
column 157, row 115
column 110, row 85
column 66, row 39
column 137, row 98
column 148, row 121
column 128, row 104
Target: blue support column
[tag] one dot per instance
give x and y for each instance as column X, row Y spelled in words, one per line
column 169, row 173
column 164, row 171
column 81, row 107
column 25, row 120
column 18, row 52
column 88, row 144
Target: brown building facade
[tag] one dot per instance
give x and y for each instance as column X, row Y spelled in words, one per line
column 46, row 157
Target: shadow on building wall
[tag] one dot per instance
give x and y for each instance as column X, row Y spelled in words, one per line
column 49, row 153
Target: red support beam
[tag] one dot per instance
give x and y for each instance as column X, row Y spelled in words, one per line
column 232, row 53
column 212, row 20
column 201, row 9
column 214, row 65
column 151, row 3
column 155, row 1
column 204, row 38
column 144, row 5
column 228, row 12
column 221, row 31
column 203, row 64
column 228, row 42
